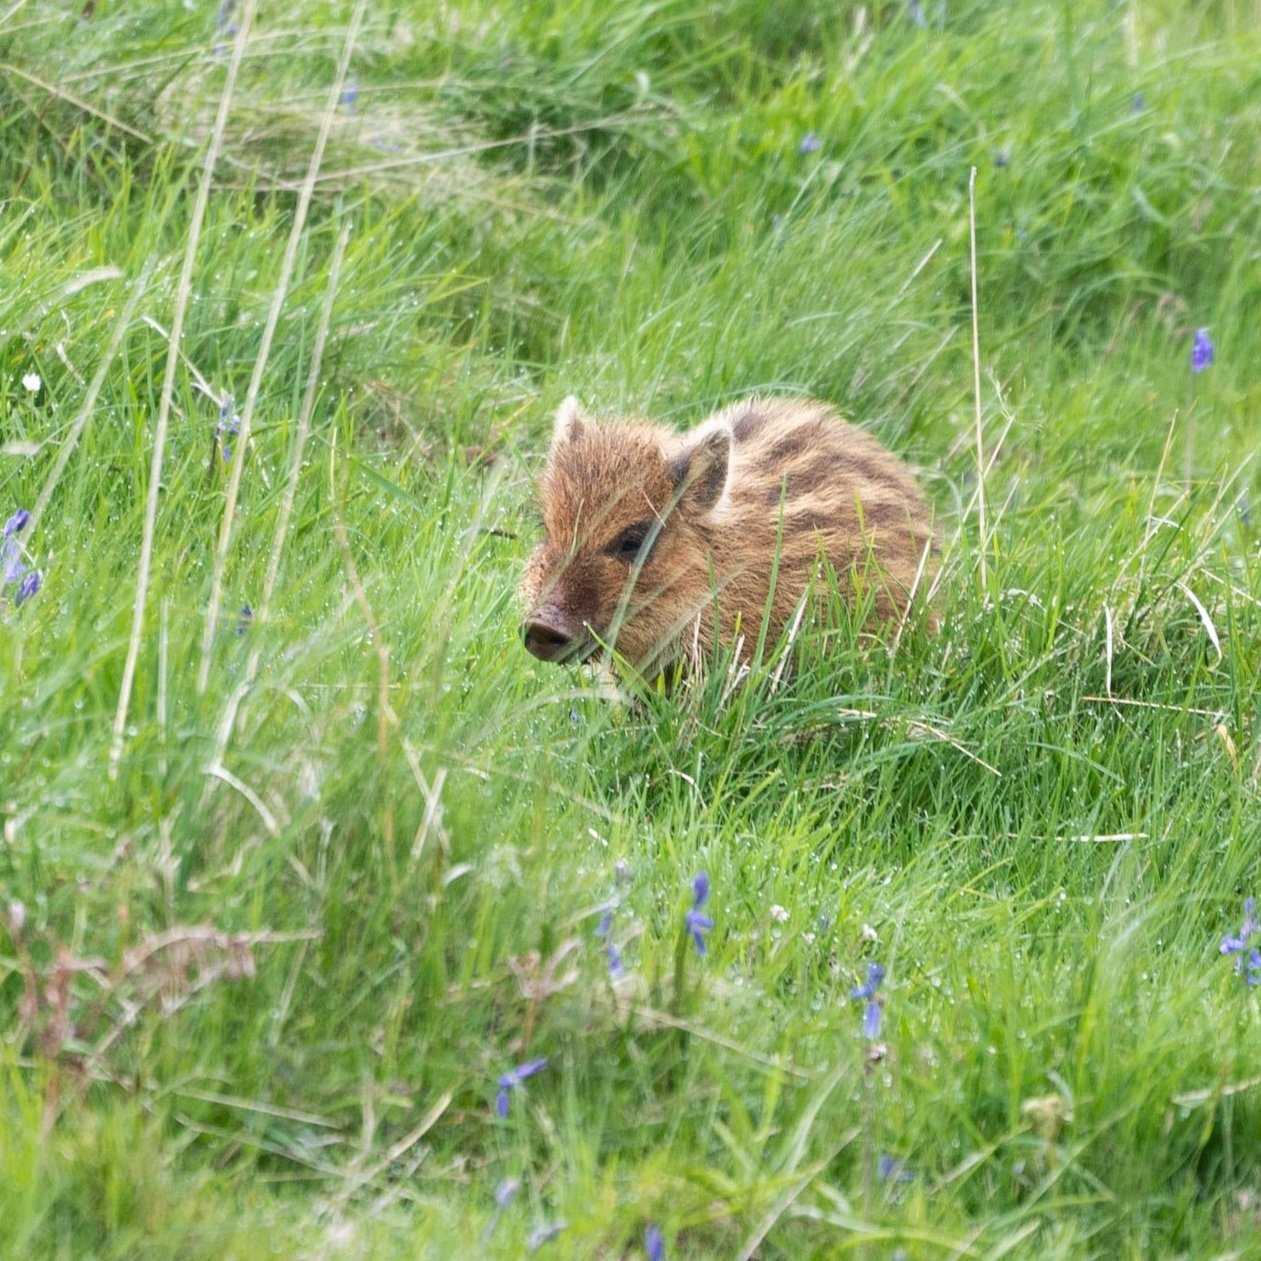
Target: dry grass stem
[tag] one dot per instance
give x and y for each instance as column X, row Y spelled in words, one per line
column 182, row 295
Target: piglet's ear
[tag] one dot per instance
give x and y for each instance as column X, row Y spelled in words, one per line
column 569, row 425
column 700, row 470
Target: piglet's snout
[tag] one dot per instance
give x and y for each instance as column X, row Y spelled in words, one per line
column 549, row 635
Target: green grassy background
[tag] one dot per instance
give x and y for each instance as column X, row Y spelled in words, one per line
column 1041, row 821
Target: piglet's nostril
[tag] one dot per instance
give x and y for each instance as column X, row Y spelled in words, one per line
column 546, row 639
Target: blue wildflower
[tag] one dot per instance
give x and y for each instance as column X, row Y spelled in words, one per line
column 871, row 1020
column 1202, row 350
column 505, row 1193
column 12, row 568
column 604, row 930
column 875, row 974
column 228, row 427
column 891, row 1169
column 810, row 143
column 871, row 1013
column 1236, row 945
column 512, row 1079
column 697, row 924
column 350, row 94
column 30, row 585
column 1250, row 966
column 654, row 1243
column 244, row 620
column 541, row 1234
column 11, row 561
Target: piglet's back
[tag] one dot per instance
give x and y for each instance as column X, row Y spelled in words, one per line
column 803, row 481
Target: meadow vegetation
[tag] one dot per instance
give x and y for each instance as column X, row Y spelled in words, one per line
column 303, row 857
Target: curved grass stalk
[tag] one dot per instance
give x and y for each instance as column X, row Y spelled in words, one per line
column 260, row 364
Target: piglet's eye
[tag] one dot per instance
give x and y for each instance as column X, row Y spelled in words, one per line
column 628, row 545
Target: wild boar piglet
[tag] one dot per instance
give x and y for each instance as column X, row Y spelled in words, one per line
column 662, row 544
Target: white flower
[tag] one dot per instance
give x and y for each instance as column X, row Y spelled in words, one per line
column 31, row 382
column 778, row 914
column 869, row 933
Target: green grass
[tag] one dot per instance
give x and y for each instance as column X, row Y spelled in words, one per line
column 269, row 951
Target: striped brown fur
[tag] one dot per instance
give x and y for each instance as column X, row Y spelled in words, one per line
column 716, row 505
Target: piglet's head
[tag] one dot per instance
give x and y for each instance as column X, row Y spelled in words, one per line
column 627, row 510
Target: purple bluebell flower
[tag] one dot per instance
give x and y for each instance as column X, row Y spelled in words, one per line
column 245, row 620
column 654, row 1244
column 1235, row 945
column 505, row 1193
column 11, row 561
column 513, row 1078
column 875, row 974
column 12, row 568
column 891, row 1169
column 810, row 143
column 604, row 930
column 698, row 924
column 1202, row 350
column 871, row 1020
column 1249, row 966
column 29, row 586
column 228, row 427
column 350, row 94
column 871, row 1013
column 1252, row 969
column 541, row 1234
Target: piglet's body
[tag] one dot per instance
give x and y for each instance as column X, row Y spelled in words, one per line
column 662, row 543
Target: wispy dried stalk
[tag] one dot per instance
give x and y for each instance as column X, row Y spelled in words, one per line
column 182, row 295
column 279, row 294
